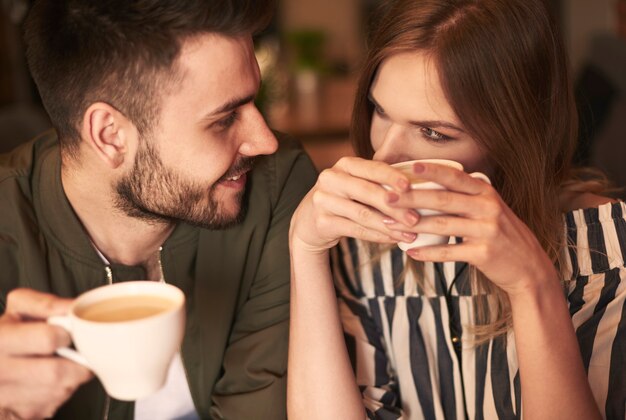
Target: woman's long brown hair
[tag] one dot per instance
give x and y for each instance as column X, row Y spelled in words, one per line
column 504, row 72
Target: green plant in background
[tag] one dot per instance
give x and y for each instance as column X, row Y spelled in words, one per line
column 308, row 49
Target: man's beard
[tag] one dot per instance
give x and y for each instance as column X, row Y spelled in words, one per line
column 157, row 194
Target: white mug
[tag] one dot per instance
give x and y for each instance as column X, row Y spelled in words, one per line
column 429, row 239
column 127, row 334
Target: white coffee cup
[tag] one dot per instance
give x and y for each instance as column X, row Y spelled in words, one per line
column 429, row 239
column 127, row 334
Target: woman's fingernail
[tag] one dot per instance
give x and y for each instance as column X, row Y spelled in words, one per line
column 409, row 236
column 418, row 168
column 414, row 252
column 392, row 197
column 403, row 184
column 389, row 221
column 411, row 217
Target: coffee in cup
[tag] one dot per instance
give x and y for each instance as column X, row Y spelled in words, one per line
column 428, row 239
column 127, row 334
column 125, row 308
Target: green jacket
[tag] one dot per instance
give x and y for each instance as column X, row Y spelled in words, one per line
column 236, row 280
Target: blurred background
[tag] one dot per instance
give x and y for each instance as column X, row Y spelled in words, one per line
column 311, row 53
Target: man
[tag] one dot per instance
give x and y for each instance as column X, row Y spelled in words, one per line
column 160, row 148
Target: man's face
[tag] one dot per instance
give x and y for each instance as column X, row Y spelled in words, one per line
column 192, row 166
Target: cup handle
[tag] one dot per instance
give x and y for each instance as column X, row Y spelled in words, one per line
column 65, row 323
column 482, row 176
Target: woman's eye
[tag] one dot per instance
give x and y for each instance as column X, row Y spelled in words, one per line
column 433, row 135
column 379, row 110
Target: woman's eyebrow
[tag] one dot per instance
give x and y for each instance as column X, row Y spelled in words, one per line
column 425, row 123
column 436, row 124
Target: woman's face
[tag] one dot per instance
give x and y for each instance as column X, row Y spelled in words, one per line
column 412, row 118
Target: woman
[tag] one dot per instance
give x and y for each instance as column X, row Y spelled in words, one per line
column 477, row 328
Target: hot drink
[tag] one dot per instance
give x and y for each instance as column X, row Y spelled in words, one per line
column 428, row 239
column 125, row 308
column 127, row 333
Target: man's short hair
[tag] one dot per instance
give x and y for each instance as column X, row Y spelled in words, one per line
column 121, row 52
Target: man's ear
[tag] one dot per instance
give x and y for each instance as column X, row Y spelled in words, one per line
column 107, row 131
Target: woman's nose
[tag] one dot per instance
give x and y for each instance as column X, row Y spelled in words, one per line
column 393, row 147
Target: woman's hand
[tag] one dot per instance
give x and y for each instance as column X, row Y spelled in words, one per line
column 553, row 379
column 349, row 200
column 495, row 240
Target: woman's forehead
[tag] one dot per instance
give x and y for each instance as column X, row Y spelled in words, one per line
column 408, row 86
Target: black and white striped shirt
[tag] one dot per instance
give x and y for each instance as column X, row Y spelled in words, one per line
column 407, row 348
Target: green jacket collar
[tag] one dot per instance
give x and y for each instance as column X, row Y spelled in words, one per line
column 60, row 223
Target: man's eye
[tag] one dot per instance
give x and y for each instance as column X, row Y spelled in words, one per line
column 228, row 121
column 433, row 135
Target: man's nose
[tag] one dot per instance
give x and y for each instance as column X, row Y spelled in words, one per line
column 258, row 139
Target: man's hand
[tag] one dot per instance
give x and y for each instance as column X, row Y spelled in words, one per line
column 33, row 381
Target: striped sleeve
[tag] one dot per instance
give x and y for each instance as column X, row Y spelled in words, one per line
column 597, row 301
column 600, row 323
column 364, row 339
